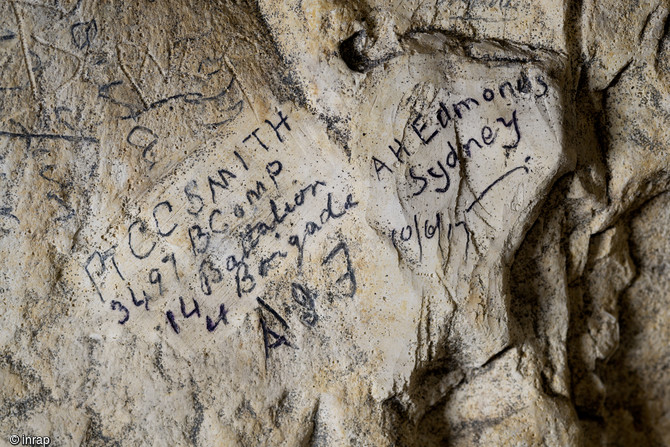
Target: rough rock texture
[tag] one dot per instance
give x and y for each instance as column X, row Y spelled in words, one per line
column 312, row 223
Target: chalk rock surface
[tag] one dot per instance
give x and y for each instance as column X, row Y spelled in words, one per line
column 310, row 223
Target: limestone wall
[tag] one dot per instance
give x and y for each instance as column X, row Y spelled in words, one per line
column 311, row 223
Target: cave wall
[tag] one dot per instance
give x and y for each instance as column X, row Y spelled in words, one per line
column 313, row 223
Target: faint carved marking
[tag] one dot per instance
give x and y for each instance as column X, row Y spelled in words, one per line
column 80, row 63
column 130, row 77
column 24, row 45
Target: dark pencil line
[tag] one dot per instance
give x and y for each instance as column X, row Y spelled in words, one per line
column 189, row 98
column 479, row 19
column 30, row 136
column 481, row 196
column 272, row 311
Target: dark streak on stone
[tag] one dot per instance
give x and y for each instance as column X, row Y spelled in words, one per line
column 21, row 408
column 94, row 432
column 46, row 136
column 198, row 418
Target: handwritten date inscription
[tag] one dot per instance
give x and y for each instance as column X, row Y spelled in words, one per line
column 483, row 144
